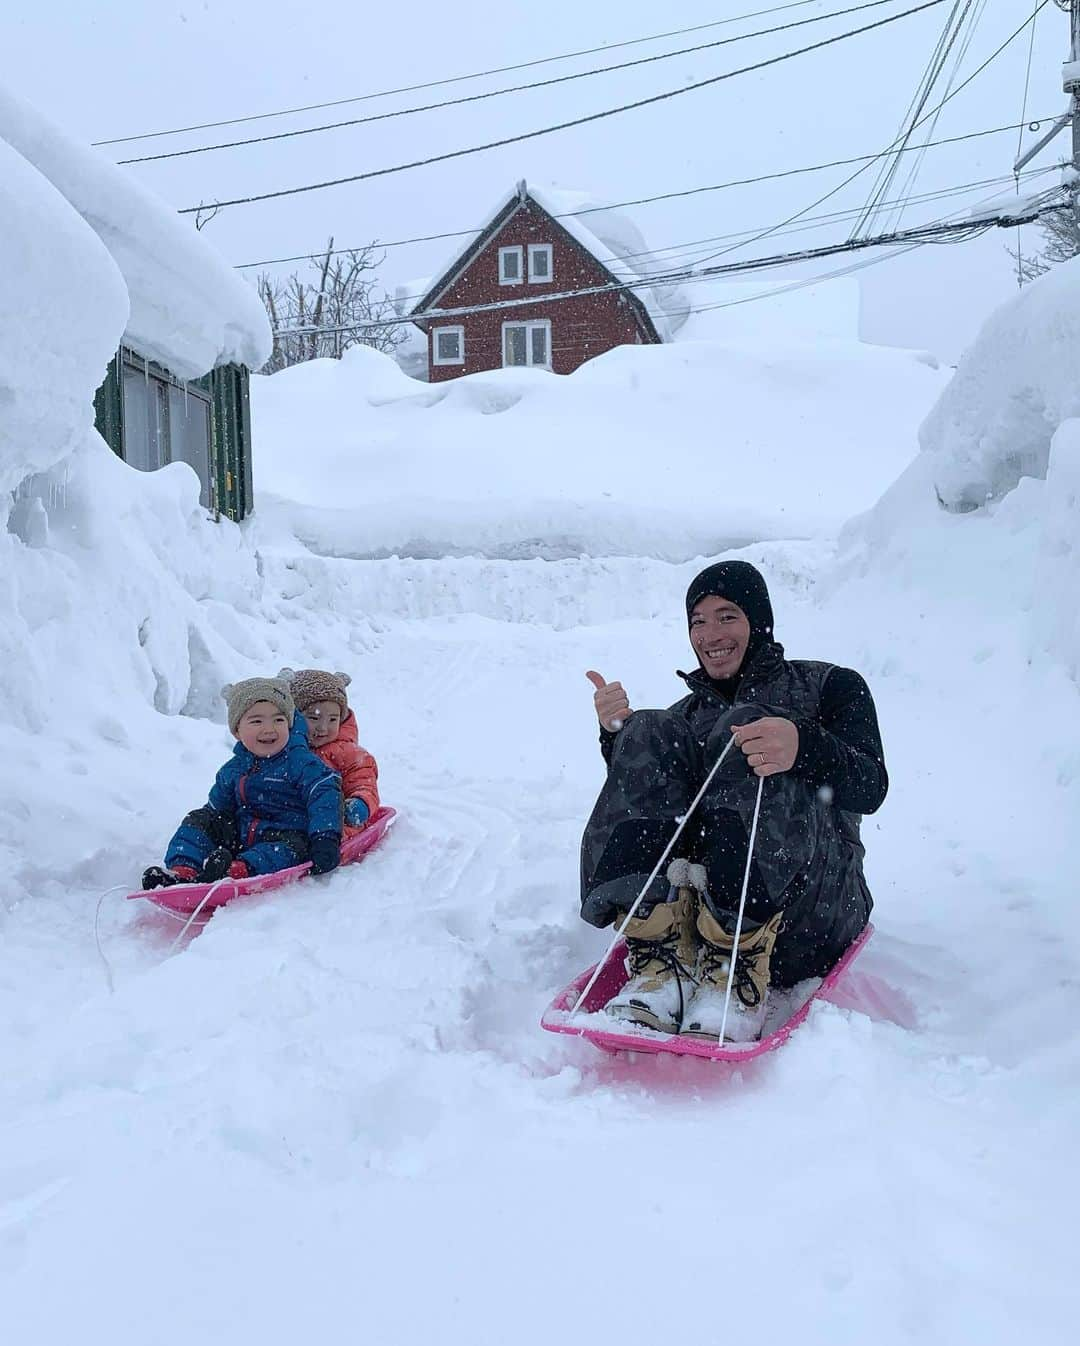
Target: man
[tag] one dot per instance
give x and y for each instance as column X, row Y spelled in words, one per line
column 810, row 730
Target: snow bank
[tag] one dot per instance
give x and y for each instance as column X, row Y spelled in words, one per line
column 1016, row 384
column 663, row 451
column 62, row 310
column 189, row 310
column 1055, row 599
column 119, row 599
column 1000, row 449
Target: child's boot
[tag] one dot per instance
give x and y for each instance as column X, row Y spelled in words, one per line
column 661, row 952
column 157, row 876
column 750, row 988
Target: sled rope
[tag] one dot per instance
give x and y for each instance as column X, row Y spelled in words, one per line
column 656, row 870
column 205, row 898
column 117, row 888
column 742, row 908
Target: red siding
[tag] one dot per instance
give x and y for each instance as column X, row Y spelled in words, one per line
column 580, row 327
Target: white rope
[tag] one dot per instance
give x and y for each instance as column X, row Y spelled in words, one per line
column 202, row 903
column 117, row 888
column 656, row 870
column 742, row 907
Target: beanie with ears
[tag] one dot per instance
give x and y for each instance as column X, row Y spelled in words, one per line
column 309, row 685
column 241, row 696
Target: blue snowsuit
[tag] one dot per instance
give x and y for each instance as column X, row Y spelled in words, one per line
column 266, row 810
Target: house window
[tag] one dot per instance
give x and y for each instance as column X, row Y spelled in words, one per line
column 527, row 343
column 165, row 422
column 511, row 264
column 449, row 347
column 540, row 267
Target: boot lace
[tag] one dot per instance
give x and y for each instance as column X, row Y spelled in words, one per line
column 643, row 952
column 715, row 965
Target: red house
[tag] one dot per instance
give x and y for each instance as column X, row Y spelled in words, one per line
column 526, row 250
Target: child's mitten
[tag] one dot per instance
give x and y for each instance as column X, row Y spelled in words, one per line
column 325, row 852
column 356, row 812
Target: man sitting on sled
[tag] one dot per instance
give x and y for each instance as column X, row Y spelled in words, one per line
column 810, row 729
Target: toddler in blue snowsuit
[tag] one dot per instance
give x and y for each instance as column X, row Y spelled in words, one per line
column 272, row 805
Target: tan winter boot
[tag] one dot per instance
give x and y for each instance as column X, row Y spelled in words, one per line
column 662, row 950
column 750, row 989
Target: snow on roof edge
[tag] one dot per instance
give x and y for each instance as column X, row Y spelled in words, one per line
column 581, row 234
column 190, row 310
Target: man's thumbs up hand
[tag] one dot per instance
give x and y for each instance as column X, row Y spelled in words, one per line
column 612, row 706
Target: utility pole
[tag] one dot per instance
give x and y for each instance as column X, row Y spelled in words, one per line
column 1070, row 81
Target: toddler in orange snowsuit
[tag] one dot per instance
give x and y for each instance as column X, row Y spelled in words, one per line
column 332, row 734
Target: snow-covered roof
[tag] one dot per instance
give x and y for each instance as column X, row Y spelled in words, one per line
column 607, row 234
column 190, row 310
column 63, row 306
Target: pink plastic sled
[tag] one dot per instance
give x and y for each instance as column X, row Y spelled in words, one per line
column 184, row 898
column 787, row 1010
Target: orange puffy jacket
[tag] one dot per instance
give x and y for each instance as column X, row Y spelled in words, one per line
column 358, row 769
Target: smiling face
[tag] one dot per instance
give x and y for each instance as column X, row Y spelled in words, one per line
column 323, row 722
column 263, row 729
column 720, row 634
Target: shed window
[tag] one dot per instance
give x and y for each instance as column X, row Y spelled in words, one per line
column 511, row 265
column 527, row 343
column 449, row 348
column 540, row 267
column 165, row 422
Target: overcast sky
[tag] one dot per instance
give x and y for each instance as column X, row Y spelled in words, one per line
column 109, row 70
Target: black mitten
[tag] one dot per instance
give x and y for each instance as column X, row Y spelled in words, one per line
column 325, row 852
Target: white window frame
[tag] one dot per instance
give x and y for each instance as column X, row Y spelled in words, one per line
column 519, row 253
column 534, row 248
column 529, row 324
column 436, row 358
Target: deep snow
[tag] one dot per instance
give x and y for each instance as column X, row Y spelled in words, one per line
column 662, row 451
column 333, row 1115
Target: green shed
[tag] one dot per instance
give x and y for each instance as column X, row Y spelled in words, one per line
column 149, row 417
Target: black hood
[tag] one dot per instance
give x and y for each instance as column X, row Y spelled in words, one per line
column 741, row 583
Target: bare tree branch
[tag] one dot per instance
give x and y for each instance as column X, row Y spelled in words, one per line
column 339, row 308
column 205, row 214
column 1061, row 235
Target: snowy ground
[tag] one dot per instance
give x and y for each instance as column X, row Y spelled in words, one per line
column 334, row 1111
column 332, row 1116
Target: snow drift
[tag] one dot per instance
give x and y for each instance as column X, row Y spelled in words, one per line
column 118, row 596
column 995, row 422
column 664, row 451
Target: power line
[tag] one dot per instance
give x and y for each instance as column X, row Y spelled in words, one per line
column 577, row 121
column 915, row 167
column 810, row 222
column 922, row 234
column 859, row 171
column 818, row 278
column 650, row 200
column 889, row 168
column 454, row 79
column 516, row 88
column 1019, row 141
